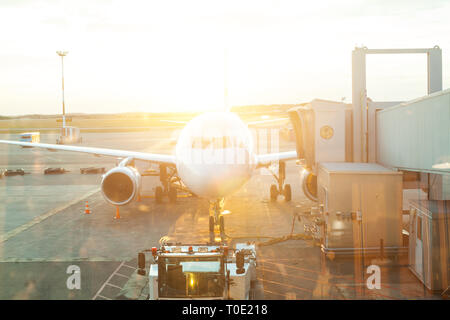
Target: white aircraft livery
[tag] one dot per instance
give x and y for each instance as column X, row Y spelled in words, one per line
column 214, row 157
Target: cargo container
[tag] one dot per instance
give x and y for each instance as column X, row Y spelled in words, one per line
column 362, row 208
column 429, row 247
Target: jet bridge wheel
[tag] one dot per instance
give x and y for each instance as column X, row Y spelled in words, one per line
column 273, row 193
column 158, row 194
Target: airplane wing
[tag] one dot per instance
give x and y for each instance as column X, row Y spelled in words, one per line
column 174, row 121
column 152, row 157
column 266, row 159
column 250, row 123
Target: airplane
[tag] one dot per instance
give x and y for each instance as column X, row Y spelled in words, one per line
column 214, row 156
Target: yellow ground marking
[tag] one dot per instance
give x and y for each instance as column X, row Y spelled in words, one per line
column 42, row 217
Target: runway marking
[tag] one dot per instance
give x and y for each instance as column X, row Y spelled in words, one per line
column 114, row 286
column 272, row 292
column 286, row 285
column 42, row 217
column 107, row 280
column 289, row 275
column 67, row 259
column 307, row 270
column 359, row 290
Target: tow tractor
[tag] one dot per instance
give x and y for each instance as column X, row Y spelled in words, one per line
column 211, row 271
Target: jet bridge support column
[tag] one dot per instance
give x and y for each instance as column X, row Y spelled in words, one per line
column 359, row 100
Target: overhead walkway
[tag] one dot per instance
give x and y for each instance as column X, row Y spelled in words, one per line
column 415, row 135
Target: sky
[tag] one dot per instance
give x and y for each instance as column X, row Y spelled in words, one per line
column 158, row 56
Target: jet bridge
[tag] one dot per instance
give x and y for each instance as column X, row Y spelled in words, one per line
column 413, row 136
column 367, row 208
column 364, row 142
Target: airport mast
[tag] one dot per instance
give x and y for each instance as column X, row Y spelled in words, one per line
column 62, row 54
column 225, row 81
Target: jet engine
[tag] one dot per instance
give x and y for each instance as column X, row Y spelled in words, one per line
column 121, row 185
column 309, row 184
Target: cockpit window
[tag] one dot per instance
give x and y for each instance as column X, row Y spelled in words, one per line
column 216, row 142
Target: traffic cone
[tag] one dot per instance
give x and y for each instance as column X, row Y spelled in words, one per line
column 87, row 210
column 117, row 213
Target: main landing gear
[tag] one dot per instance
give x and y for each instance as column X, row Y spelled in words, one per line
column 282, row 189
column 216, row 219
column 167, row 189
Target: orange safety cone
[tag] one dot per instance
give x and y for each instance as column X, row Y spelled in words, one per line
column 117, row 213
column 87, row 210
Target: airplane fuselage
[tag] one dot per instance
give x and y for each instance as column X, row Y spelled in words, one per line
column 214, row 154
column 214, row 157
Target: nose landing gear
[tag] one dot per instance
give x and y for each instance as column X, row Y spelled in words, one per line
column 167, row 187
column 216, row 219
column 172, row 194
column 159, row 193
column 282, row 189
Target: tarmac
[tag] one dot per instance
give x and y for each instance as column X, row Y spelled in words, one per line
column 44, row 230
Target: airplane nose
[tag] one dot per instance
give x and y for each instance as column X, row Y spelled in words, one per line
column 212, row 181
column 225, row 180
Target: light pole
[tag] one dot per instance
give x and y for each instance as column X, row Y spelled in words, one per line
column 225, row 81
column 62, row 54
